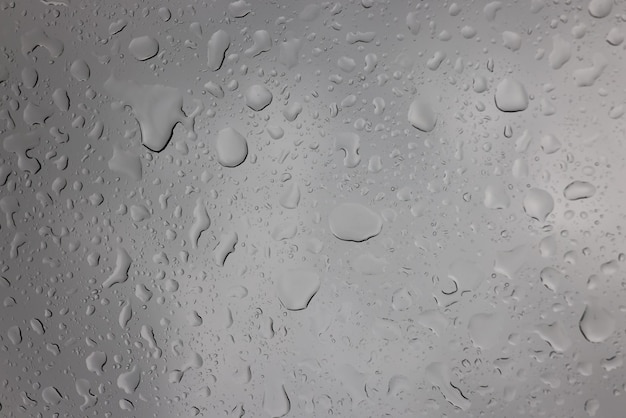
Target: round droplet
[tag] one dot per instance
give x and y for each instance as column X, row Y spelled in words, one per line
column 165, row 14
column 600, row 8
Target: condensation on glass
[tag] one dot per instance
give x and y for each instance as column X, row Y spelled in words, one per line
column 363, row 208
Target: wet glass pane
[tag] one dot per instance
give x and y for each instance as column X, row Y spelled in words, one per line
column 268, row 208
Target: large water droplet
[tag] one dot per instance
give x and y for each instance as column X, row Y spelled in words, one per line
column 296, row 288
column 538, row 204
column 422, row 116
column 231, row 147
column 511, row 96
column 578, row 190
column 258, row 97
column 143, row 47
column 354, row 222
column 597, row 324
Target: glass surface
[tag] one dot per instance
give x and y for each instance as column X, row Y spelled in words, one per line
column 269, row 208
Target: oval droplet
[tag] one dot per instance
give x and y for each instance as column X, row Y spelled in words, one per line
column 577, row 190
column 231, row 147
column 354, row 222
column 143, row 47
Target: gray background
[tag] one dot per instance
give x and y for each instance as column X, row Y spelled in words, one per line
column 386, row 334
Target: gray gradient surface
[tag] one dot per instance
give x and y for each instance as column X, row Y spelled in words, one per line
column 286, row 208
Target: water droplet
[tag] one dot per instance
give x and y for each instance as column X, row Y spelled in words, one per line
column 217, row 46
column 511, row 96
column 555, row 335
column 538, row 204
column 600, row 8
column 224, row 247
column 578, row 190
column 597, row 324
column 129, row 381
column 51, row 395
column 354, row 222
column 143, row 47
column 422, row 116
column 122, row 266
column 258, row 97
column 231, row 147
column 296, row 288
